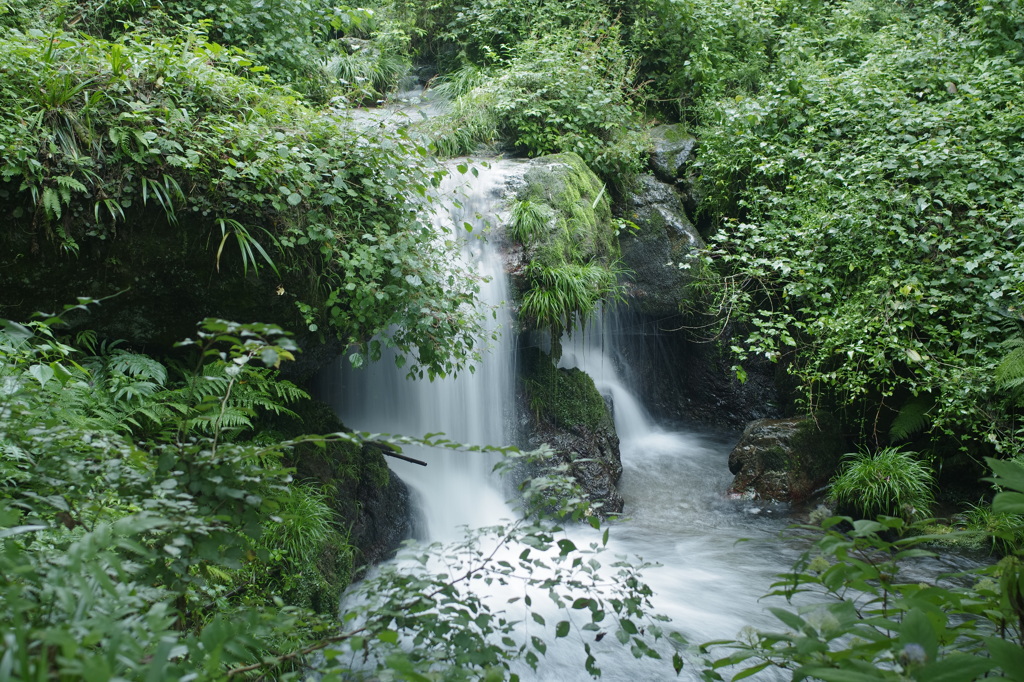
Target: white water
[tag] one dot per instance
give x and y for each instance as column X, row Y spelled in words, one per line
column 717, row 556
column 673, row 481
column 456, row 488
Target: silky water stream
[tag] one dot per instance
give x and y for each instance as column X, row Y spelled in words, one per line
column 716, row 556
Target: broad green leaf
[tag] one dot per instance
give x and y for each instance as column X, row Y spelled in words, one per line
column 956, row 668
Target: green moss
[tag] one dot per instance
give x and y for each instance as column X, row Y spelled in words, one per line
column 775, row 459
column 580, row 228
column 566, row 397
column 563, row 219
column 373, row 469
column 818, row 443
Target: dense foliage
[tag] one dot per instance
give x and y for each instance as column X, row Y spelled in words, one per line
column 100, row 140
column 869, row 200
column 146, row 534
column 858, row 609
column 860, row 165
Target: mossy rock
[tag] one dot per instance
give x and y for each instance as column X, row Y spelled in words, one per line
column 672, row 148
column 572, row 211
column 567, row 398
column 661, row 252
column 372, row 503
column 568, row 413
column 787, row 460
column 578, row 209
column 155, row 283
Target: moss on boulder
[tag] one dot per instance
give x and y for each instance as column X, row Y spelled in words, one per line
column 660, row 253
column 786, row 460
column 372, row 503
column 576, row 211
column 568, row 413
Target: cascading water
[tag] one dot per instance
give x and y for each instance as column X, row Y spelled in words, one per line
column 708, row 582
column 456, row 488
column 673, row 482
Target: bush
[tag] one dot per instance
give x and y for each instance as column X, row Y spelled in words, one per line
column 174, row 556
column 859, row 616
column 569, row 91
column 889, row 481
column 171, row 149
column 869, row 199
column 1003, row 532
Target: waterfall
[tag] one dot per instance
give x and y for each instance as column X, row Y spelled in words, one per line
column 673, row 483
column 475, row 408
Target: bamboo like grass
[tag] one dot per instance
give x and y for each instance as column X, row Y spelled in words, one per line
column 888, row 482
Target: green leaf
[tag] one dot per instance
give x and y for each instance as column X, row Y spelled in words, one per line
column 917, row 628
column 834, row 675
column 388, row 636
column 956, row 668
column 789, row 618
column 1008, row 503
column 1008, row 655
column 1008, row 474
column 747, row 672
column 562, row 629
column 294, row 198
column 42, row 373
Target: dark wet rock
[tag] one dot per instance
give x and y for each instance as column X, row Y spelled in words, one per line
column 672, row 150
column 566, row 411
column 660, row 253
column 373, row 504
column 682, row 379
column 786, row 459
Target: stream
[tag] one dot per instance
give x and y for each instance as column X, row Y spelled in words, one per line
column 717, row 556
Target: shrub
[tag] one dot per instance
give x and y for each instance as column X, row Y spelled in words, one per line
column 178, row 140
column 868, row 200
column 889, row 481
column 568, row 91
column 1004, row 532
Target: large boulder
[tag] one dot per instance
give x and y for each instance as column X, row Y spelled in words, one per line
column 672, row 149
column 661, row 251
column 572, row 217
column 567, row 412
column 786, row 460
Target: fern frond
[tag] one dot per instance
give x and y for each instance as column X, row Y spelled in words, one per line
column 138, row 366
column 913, row 417
column 1010, row 372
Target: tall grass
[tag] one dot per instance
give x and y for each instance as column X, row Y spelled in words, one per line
column 890, row 482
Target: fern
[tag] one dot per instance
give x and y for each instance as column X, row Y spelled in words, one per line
column 210, row 411
column 138, row 366
column 913, row 417
column 51, row 203
column 1010, row 372
column 68, row 183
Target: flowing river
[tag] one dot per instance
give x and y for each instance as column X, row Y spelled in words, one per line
column 716, row 556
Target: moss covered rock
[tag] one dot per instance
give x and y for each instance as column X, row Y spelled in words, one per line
column 564, row 259
column 576, row 219
column 660, row 252
column 568, row 413
column 373, row 504
column 786, row 459
column 672, row 148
